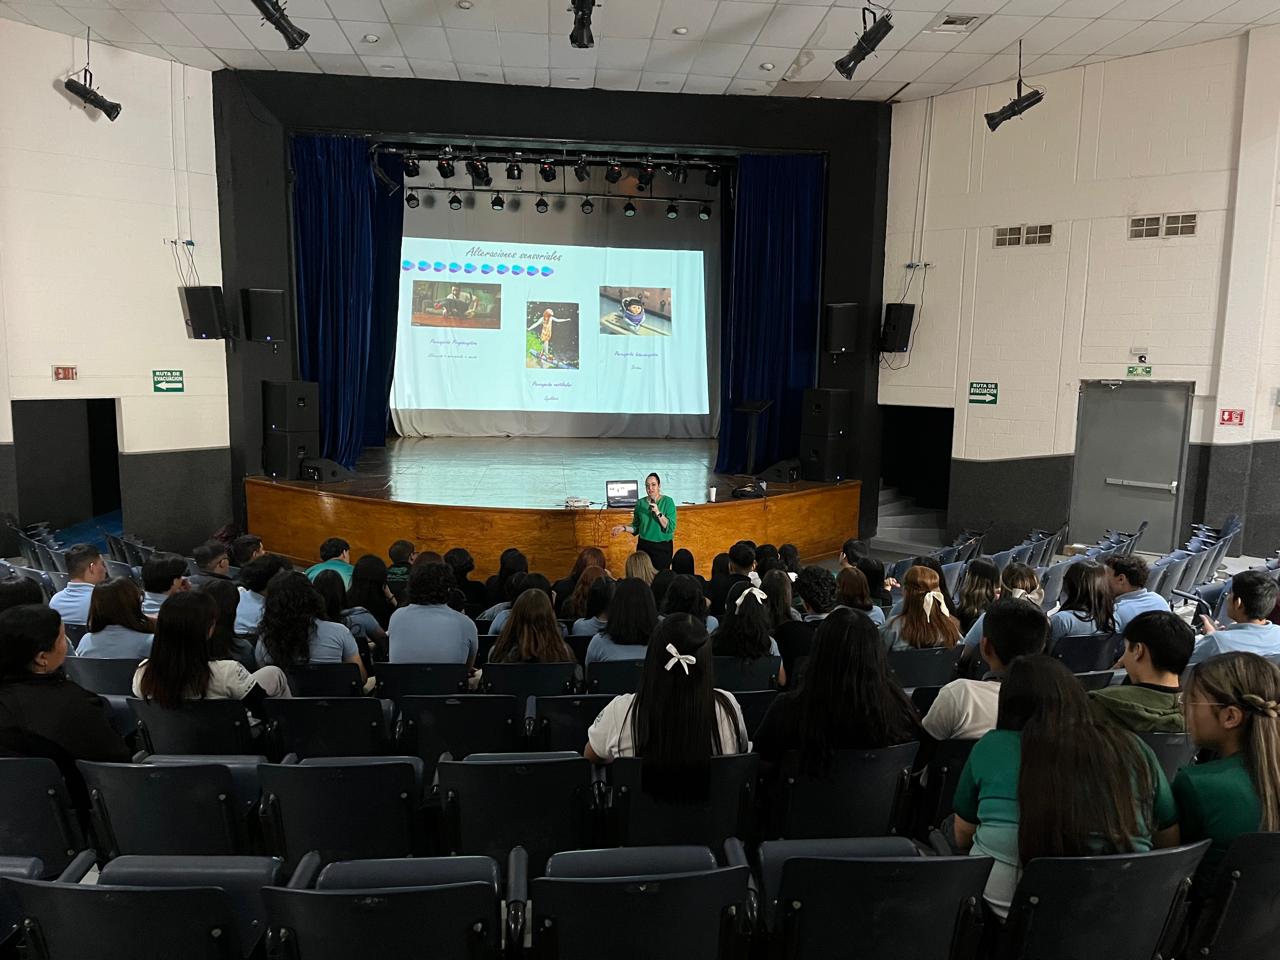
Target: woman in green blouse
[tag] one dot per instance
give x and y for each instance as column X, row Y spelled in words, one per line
column 654, row 523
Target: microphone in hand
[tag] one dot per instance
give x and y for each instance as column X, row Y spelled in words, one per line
column 653, row 507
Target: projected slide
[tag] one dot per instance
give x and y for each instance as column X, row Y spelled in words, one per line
column 520, row 326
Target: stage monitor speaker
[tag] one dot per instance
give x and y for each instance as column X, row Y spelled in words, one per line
column 825, row 458
column 827, row 413
column 204, row 312
column 264, row 315
column 320, row 470
column 784, row 471
column 290, row 405
column 284, row 450
column 895, row 336
column 840, row 330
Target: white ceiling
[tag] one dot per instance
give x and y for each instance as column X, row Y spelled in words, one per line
column 722, row 48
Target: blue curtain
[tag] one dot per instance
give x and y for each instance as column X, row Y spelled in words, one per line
column 770, row 329
column 342, row 219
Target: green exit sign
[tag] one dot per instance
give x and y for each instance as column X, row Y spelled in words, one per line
column 1138, row 371
column 167, row 381
column 984, row 391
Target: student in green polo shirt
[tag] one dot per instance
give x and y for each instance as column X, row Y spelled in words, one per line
column 1233, row 707
column 1051, row 781
column 653, row 523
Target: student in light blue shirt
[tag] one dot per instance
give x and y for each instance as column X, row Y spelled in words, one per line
column 1017, row 581
column 163, row 575
column 633, row 614
column 335, row 554
column 519, row 584
column 254, row 577
column 118, row 629
column 853, row 591
column 1088, row 607
column 1128, row 578
column 293, row 630
column 85, row 570
column 1252, row 598
column 428, row 630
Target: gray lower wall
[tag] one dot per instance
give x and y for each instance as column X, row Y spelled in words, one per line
column 1012, row 495
column 1262, row 507
column 176, row 499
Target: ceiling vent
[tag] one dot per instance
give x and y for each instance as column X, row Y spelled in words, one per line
column 956, row 23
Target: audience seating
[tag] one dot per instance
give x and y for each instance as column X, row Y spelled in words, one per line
column 396, row 680
column 328, row 727
column 103, row 676
column 561, row 723
column 429, row 727
column 860, row 796
column 1173, row 750
column 198, row 726
column 929, row 667
column 1237, row 914
column 936, row 784
column 20, row 868
column 39, row 820
column 1097, row 679
column 530, row 679
column 639, row 819
column 614, row 676
column 1085, row 654
column 737, row 673
column 754, row 705
column 1052, row 580
column 325, row 680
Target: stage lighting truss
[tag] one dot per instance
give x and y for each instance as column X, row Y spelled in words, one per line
column 1020, row 104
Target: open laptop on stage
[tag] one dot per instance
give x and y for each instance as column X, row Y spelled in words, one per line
column 621, row 493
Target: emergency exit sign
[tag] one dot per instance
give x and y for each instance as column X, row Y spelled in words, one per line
column 1143, row 370
column 984, row 391
column 1230, row 418
column 167, row 381
column 65, row 373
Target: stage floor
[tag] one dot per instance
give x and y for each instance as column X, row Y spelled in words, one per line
column 530, row 472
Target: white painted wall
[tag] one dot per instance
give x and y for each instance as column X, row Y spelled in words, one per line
column 87, row 208
column 1165, row 132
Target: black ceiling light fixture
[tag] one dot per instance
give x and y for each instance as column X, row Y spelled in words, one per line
column 704, row 212
column 587, row 206
column 411, row 200
column 629, row 209
column 83, row 88
column 548, row 170
column 455, row 202
column 411, row 168
column 541, row 206
column 865, row 45
column 497, row 203
column 679, row 173
column 713, row 176
column 581, row 36
column 673, row 210
column 479, row 171
column 1020, row 104
column 613, row 171
column 445, row 165
column 582, row 170
column 513, row 170
column 644, row 175
column 294, row 36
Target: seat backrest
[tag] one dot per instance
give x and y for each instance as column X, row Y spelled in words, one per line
column 1056, row 894
column 542, row 805
column 408, row 872
column 1096, row 680
column 198, row 726
column 561, row 723
column 1085, row 654
column 530, row 679
column 737, row 673
column 951, row 573
column 643, row 820
column 38, row 819
column 379, row 815
column 1238, row 919
column 119, row 568
column 163, row 810
column 396, row 680
column 929, row 667
column 474, row 723
column 1053, row 580
column 774, row 854
column 859, row 797
column 614, row 676
column 325, row 680
column 754, row 705
column 102, row 676
column 630, row 862
column 327, row 727
column 936, row 794
column 1173, row 750
column 1002, row 558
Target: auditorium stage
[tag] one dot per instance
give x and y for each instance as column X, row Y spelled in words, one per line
column 489, row 493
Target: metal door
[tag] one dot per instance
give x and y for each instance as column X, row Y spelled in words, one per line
column 1131, row 455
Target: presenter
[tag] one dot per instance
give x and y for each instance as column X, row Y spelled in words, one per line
column 654, row 523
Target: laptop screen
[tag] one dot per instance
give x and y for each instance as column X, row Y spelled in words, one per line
column 625, row 492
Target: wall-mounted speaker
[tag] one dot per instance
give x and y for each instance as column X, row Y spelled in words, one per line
column 827, row 413
column 264, row 315
column 895, row 336
column 840, row 328
column 204, row 312
column 283, row 452
column 290, row 405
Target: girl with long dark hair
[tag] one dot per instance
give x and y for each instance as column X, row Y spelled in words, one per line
column 182, row 666
column 925, row 620
column 1017, row 581
column 295, row 628
column 531, row 634
column 595, row 614
column 1088, row 606
column 979, row 588
column 511, row 562
column 117, row 627
column 588, row 558
column 574, row 606
column 223, row 643
column 677, row 720
column 371, row 639
column 745, row 630
column 776, row 585
column 1051, row 781
column 369, row 589
column 848, row 699
column 685, row 595
column 632, row 617
column 852, row 591
column 461, row 563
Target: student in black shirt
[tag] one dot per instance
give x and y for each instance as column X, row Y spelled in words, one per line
column 742, row 560
column 402, row 553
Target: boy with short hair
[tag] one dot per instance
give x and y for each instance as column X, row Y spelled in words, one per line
column 402, row 554
column 1157, row 646
column 1249, row 605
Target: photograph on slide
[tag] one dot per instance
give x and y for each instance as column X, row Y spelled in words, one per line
column 635, row 311
column 468, row 306
column 551, row 335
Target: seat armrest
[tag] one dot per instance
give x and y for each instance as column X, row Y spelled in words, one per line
column 304, row 874
column 517, row 895
column 735, row 855
column 79, row 867
column 290, row 758
column 139, row 757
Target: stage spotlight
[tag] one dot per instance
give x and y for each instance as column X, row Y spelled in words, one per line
column 411, row 168
column 865, row 44
column 680, row 173
column 644, row 175
column 582, row 171
column 587, row 206
column 613, row 172
column 455, row 202
column 513, row 171
column 541, row 206
column 673, row 211
column 91, row 97
column 1015, row 107
column 704, row 212
column 497, row 202
column 580, row 36
column 713, row 176
column 629, row 210
column 411, row 200
column 479, row 171
column 445, row 166
column 294, row 36
column 548, row 170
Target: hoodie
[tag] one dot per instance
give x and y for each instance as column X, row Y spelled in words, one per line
column 1140, row 708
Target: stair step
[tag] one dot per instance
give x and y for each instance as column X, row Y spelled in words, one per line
column 905, row 508
column 888, row 494
column 898, row 546
column 912, row 521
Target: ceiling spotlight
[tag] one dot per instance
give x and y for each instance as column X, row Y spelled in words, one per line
column 513, row 171
column 411, row 201
column 613, row 172
column 704, row 212
column 273, row 13
column 541, row 206
column 865, row 44
column 644, row 175
column 713, row 176
column 587, row 205
column 91, row 97
column 411, row 168
column 1020, row 104
column 580, row 36
column 548, row 170
column 455, row 202
column 497, row 202
column 581, row 170
column 673, row 211
column 629, row 210
column 479, row 171
column 445, row 165
column 679, row 173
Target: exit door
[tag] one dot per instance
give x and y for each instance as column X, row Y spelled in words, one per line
column 1131, row 451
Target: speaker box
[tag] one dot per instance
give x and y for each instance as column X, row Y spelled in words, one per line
column 284, row 450
column 264, row 315
column 840, row 328
column 204, row 312
column 827, row 413
column 895, row 336
column 325, row 471
column 784, row 471
column 825, row 458
column 290, row 405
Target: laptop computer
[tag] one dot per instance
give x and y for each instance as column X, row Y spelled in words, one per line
column 621, row 493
